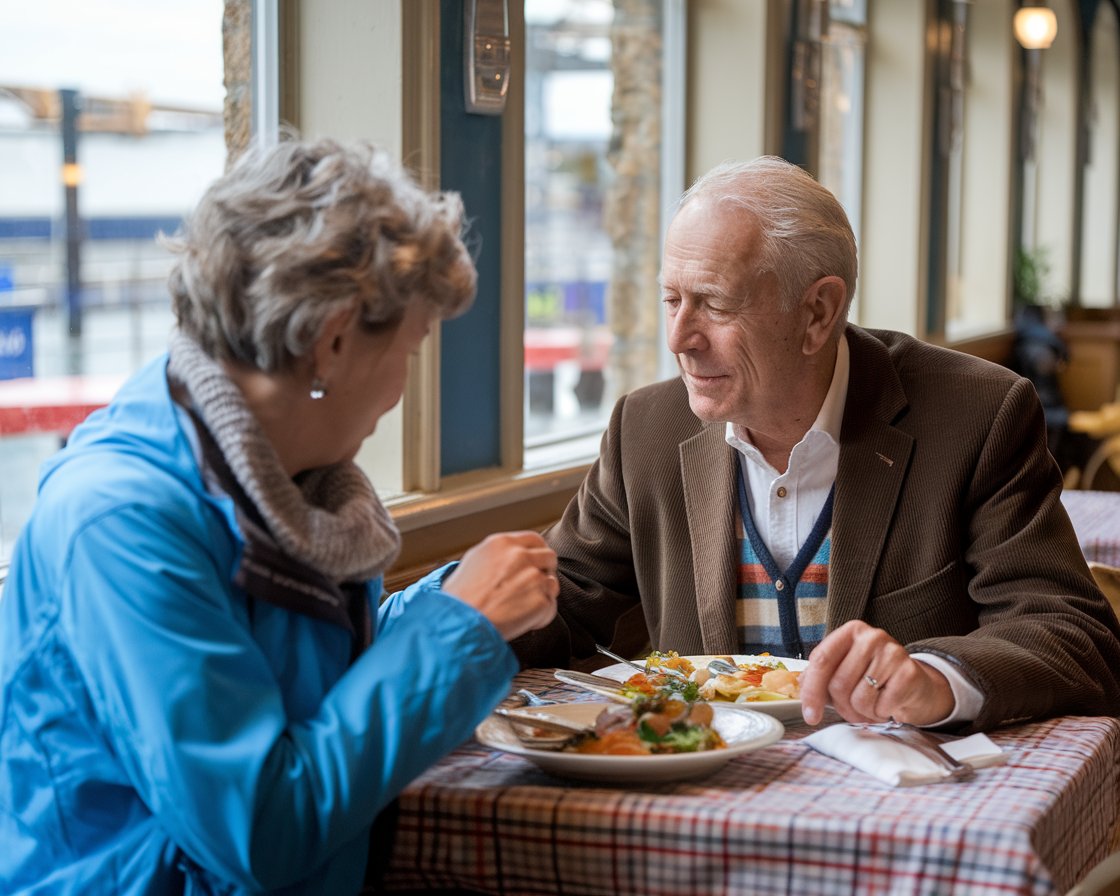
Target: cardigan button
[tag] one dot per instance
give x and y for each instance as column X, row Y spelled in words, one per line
column 779, row 585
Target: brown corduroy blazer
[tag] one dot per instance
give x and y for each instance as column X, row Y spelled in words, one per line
column 947, row 531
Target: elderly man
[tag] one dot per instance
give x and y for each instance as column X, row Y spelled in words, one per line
column 807, row 487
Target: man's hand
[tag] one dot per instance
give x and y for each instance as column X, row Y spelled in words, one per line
column 509, row 577
column 868, row 676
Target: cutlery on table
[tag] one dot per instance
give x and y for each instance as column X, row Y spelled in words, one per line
column 596, row 684
column 641, row 668
column 723, row 667
column 926, row 744
column 565, row 732
column 525, row 697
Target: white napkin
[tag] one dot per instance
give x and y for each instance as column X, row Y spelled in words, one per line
column 896, row 763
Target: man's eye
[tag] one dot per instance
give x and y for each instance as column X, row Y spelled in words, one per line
column 671, row 301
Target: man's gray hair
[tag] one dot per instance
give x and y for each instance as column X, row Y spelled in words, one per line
column 805, row 233
column 294, row 233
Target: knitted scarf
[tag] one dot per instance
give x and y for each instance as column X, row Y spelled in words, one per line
column 309, row 541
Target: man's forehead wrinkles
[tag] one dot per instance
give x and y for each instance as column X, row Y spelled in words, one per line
column 715, row 284
column 698, row 271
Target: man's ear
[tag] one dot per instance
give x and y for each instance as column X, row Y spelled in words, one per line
column 824, row 301
column 330, row 344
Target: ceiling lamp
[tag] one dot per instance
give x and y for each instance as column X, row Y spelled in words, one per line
column 1035, row 27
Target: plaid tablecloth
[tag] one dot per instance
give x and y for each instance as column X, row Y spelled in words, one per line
column 1096, row 519
column 781, row 820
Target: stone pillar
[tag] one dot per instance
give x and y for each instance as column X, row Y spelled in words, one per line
column 632, row 213
column 237, row 49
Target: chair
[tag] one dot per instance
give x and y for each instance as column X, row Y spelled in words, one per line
column 1108, row 452
column 1108, row 580
column 1103, row 879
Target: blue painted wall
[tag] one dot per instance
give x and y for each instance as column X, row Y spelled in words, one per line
column 470, row 163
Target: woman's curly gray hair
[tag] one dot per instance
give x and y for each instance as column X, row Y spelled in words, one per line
column 294, row 233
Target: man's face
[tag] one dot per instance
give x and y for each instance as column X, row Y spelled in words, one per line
column 738, row 353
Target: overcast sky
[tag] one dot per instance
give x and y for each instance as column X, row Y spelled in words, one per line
column 169, row 49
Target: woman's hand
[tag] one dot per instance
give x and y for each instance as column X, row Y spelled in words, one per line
column 509, row 577
column 868, row 676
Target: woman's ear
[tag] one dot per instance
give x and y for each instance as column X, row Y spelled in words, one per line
column 330, row 345
column 825, row 301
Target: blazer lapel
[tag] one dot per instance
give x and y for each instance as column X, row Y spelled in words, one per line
column 708, row 473
column 874, row 456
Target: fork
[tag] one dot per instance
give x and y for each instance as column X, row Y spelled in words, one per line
column 614, row 656
column 926, row 744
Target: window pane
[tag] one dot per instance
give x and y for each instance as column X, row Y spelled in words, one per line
column 83, row 298
column 593, row 113
column 1102, row 186
column 976, row 299
column 841, row 124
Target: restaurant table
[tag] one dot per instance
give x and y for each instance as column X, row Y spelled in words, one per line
column 784, row 819
column 1096, row 519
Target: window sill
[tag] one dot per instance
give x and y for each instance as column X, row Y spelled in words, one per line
column 438, row 528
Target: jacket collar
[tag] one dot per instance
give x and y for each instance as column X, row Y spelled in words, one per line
column 708, row 472
column 874, row 458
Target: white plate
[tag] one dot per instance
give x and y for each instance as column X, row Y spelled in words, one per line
column 785, row 710
column 742, row 732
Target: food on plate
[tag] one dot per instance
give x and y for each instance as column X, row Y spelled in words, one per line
column 650, row 725
column 760, row 678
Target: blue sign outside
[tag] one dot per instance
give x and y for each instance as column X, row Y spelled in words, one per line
column 16, row 342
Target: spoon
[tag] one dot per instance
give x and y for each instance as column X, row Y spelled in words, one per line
column 525, row 698
column 723, row 667
column 528, row 698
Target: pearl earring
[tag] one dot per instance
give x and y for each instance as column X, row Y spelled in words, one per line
column 318, row 389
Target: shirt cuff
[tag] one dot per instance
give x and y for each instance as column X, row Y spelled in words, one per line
column 969, row 699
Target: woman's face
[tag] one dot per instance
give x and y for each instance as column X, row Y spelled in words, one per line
column 369, row 378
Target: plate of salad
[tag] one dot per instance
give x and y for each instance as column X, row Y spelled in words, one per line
column 762, row 682
column 626, row 744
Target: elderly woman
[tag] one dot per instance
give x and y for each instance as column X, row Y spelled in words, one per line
column 199, row 690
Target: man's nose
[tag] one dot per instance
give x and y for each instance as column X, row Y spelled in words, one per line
column 683, row 332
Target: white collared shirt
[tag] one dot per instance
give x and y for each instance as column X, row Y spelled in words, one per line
column 785, row 506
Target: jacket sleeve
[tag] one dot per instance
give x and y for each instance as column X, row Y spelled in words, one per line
column 193, row 711
column 1046, row 640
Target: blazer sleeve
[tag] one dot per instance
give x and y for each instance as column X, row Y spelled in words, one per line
column 1046, row 642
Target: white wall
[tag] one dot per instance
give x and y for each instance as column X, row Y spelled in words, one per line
column 727, row 108
column 350, row 70
column 1050, row 223
column 351, row 87
column 988, row 165
column 893, row 263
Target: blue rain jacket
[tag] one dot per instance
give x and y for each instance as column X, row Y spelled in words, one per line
column 160, row 735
